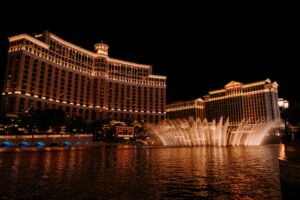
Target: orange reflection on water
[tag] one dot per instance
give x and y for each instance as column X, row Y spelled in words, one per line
column 282, row 155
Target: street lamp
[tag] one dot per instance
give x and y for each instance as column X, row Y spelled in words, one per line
column 284, row 105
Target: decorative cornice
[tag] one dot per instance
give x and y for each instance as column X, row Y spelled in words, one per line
column 235, row 85
column 114, row 60
column 29, row 38
column 157, row 76
column 90, row 53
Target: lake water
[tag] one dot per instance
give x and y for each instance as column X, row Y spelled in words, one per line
column 141, row 172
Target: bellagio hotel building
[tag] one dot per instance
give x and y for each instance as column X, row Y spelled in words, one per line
column 45, row 71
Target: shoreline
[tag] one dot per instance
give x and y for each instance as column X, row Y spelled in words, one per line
column 15, row 141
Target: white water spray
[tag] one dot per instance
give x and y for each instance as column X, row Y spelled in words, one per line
column 182, row 132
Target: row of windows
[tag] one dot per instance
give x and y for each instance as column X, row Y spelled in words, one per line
column 25, row 104
column 12, row 72
column 125, row 72
column 256, row 89
column 67, row 52
column 44, row 80
column 128, row 70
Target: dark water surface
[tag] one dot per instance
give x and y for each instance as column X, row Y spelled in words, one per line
column 133, row 172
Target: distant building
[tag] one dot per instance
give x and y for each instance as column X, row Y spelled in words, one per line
column 186, row 109
column 45, row 71
column 251, row 102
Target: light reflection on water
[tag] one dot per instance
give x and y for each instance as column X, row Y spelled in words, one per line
column 130, row 172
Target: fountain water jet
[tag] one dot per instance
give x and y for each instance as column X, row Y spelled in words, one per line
column 183, row 132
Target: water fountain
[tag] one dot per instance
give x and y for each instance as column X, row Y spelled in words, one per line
column 183, row 132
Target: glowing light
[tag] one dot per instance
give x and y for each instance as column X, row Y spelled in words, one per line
column 199, row 133
column 280, row 102
column 285, row 104
column 59, row 62
column 29, row 38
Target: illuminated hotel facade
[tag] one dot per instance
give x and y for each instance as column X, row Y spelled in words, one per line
column 45, row 71
column 252, row 102
column 186, row 109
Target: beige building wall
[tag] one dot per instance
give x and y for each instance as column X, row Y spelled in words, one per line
column 186, row 109
column 251, row 102
column 45, row 71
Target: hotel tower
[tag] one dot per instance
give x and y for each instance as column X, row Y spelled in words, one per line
column 45, row 71
column 251, row 102
column 186, row 109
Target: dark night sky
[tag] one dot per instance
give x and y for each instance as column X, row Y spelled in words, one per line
column 199, row 48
